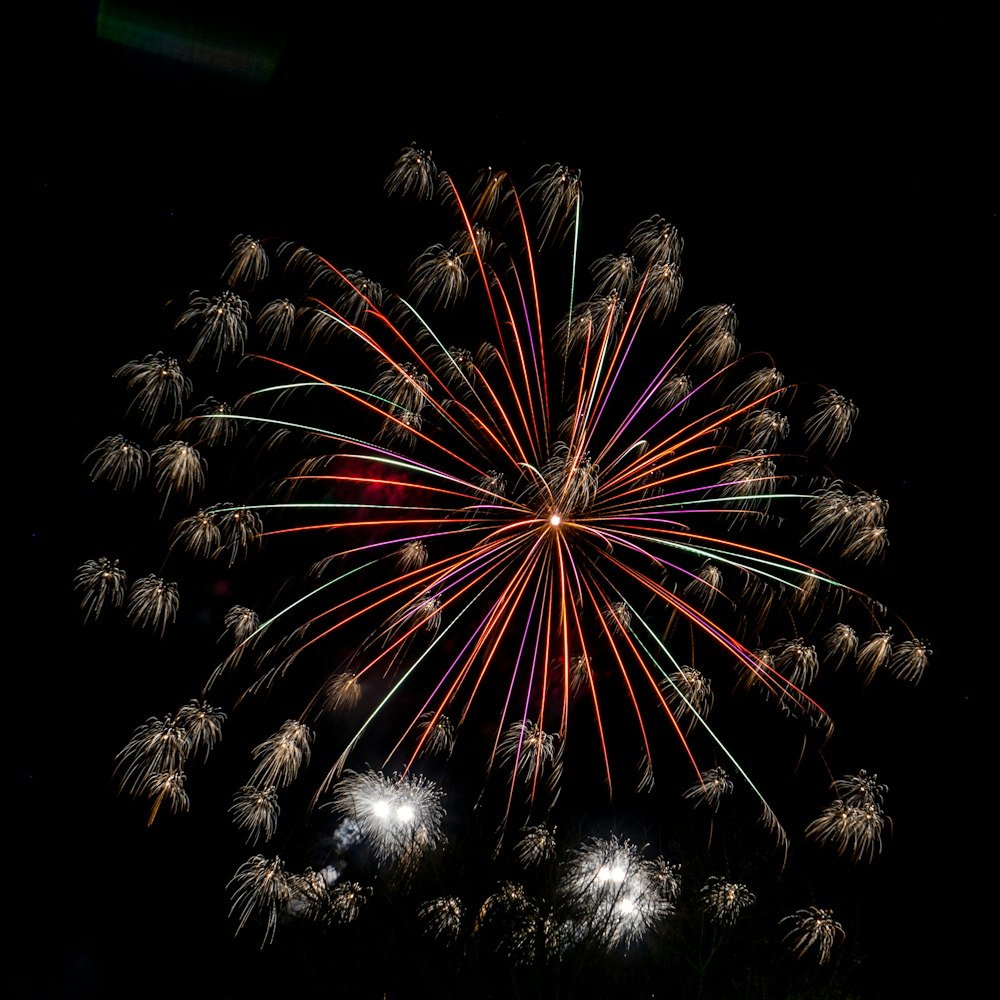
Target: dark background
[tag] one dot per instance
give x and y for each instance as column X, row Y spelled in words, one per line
column 830, row 176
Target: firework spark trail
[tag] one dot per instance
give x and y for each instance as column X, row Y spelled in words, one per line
column 601, row 381
column 506, row 514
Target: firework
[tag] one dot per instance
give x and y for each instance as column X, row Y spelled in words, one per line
column 537, row 845
column 158, row 384
column 315, row 898
column 158, row 746
column 280, row 757
column 256, row 810
column 813, row 929
column 854, row 821
column 346, row 901
column 515, row 923
column 343, row 691
column 442, row 917
column 152, row 602
column 524, row 517
column 202, row 725
column 242, row 622
column 261, row 887
column 121, row 462
column 398, row 818
column 689, row 693
column 221, row 320
column 101, row 581
column 440, row 734
column 616, row 895
column 152, row 762
column 167, row 788
column 724, row 901
column 529, row 751
column 712, row 786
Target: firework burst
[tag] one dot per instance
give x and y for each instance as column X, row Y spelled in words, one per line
column 398, row 818
column 813, row 930
column 525, row 517
column 616, row 895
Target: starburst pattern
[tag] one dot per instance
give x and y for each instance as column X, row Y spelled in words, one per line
column 153, row 602
column 616, row 895
column 167, row 789
column 256, row 811
column 343, row 692
column 121, row 462
column 689, row 694
column 203, row 724
column 261, row 888
column 514, row 921
column 346, row 900
column 813, row 929
column 440, row 734
column 159, row 746
column 221, row 320
column 241, row 622
column 853, row 822
column 282, row 756
column 100, row 581
column 537, row 845
column 398, row 817
column 521, row 519
column 442, row 917
column 712, row 787
column 152, row 763
column 531, row 753
column 158, row 385
column 725, row 901
column 179, row 468
column 248, row 262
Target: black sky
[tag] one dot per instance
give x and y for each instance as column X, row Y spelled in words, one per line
column 830, row 176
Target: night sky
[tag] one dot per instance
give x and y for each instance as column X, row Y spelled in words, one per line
column 830, row 178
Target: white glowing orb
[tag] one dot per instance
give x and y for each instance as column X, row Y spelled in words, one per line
column 626, row 906
column 555, row 520
column 611, row 874
column 381, row 809
column 405, row 814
